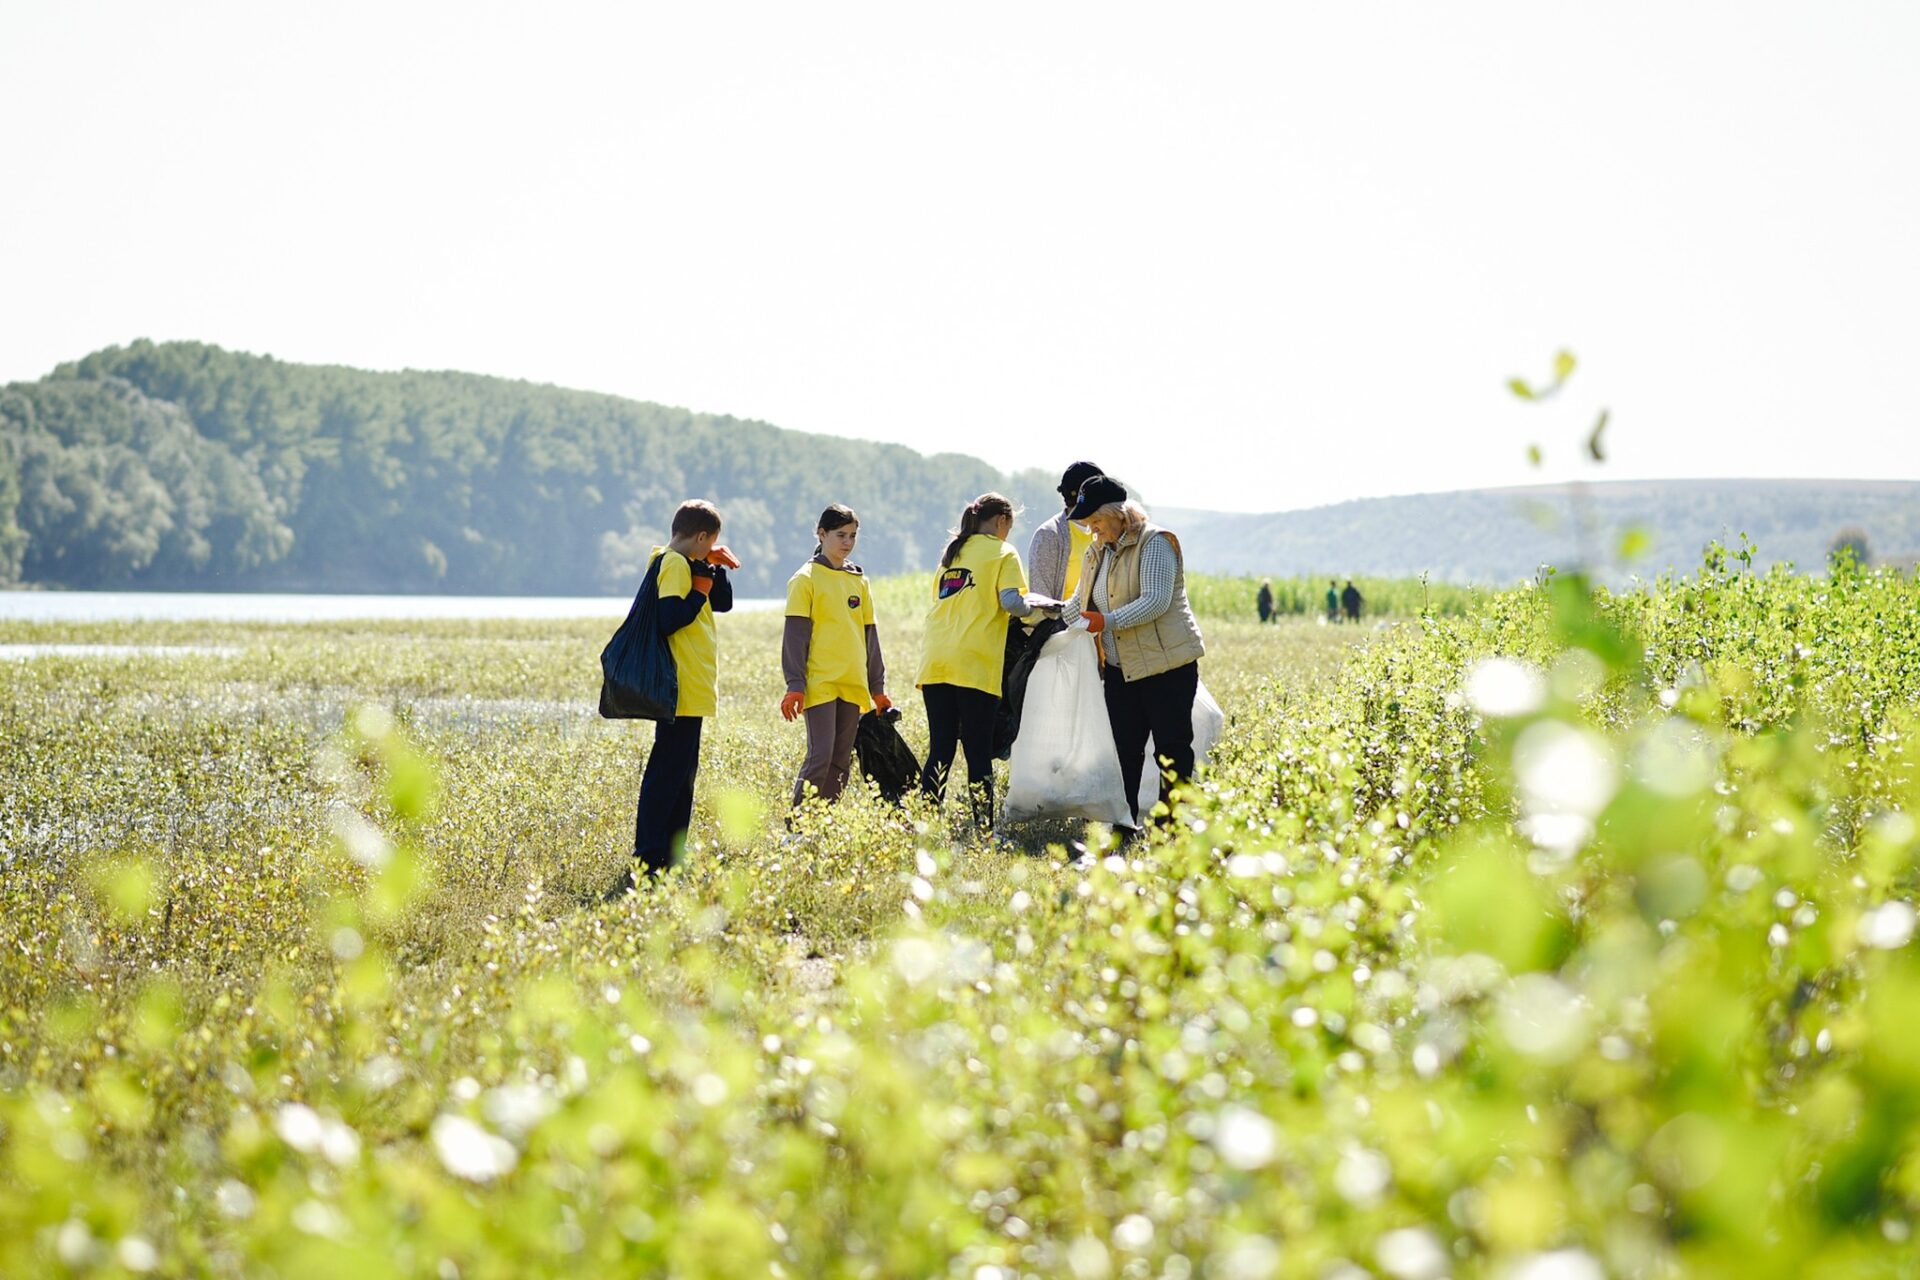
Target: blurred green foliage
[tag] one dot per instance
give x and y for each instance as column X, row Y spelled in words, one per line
column 1567, row 936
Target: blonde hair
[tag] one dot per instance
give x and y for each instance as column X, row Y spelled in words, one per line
column 1131, row 515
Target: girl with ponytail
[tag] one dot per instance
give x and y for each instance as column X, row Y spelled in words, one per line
column 980, row 585
column 986, row 507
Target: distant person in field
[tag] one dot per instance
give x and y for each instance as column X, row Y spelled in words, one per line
column 1059, row 546
column 1333, row 602
column 1350, row 601
column 693, row 587
column 980, row 586
column 1133, row 595
column 830, row 655
column 1264, row 600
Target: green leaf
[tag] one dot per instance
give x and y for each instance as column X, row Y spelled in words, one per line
column 1484, row 900
column 413, row 788
column 1520, row 388
column 398, row 886
column 129, row 890
column 1593, row 438
column 1634, row 543
column 1533, row 455
column 742, row 815
column 1563, row 363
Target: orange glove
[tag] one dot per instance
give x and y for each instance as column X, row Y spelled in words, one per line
column 882, row 703
column 704, row 585
column 790, row 706
column 724, row 558
column 1096, row 622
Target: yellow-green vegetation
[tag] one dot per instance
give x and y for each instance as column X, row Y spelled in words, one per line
column 1219, row 595
column 1565, row 938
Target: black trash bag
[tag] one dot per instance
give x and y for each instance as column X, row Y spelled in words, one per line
column 884, row 755
column 1023, row 650
column 638, row 680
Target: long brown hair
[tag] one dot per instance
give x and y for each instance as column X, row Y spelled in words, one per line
column 836, row 516
column 988, row 506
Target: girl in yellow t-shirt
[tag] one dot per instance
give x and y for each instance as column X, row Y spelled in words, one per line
column 830, row 655
column 980, row 585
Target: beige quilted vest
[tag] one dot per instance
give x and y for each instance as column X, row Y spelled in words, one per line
column 1170, row 640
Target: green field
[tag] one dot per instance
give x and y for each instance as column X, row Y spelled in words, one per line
column 1593, row 962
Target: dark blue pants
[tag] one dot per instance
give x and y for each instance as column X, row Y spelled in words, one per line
column 666, row 794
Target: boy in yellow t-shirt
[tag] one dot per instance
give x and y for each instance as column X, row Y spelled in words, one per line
column 830, row 655
column 693, row 587
column 980, row 585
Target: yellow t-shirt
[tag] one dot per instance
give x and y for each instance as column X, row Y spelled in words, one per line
column 1078, row 540
column 966, row 627
column 696, row 647
column 842, row 609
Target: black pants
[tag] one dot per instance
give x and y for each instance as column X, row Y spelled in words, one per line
column 1160, row 706
column 960, row 717
column 666, row 794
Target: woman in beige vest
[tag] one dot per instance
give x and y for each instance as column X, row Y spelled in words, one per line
column 1133, row 595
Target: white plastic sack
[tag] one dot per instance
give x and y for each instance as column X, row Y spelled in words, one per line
column 1063, row 763
column 1208, row 721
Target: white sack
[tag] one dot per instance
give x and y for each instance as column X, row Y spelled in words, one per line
column 1208, row 721
column 1064, row 764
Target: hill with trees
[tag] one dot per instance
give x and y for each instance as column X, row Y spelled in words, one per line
column 180, row 465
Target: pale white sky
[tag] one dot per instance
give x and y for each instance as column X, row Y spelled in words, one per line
column 1255, row 256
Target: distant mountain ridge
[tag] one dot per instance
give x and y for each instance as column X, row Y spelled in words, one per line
column 1500, row 535
column 181, row 465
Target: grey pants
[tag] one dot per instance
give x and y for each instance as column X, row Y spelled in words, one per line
column 830, row 730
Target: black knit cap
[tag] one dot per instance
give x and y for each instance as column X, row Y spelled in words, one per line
column 1075, row 476
column 1096, row 493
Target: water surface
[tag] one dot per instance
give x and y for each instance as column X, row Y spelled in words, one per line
column 267, row 606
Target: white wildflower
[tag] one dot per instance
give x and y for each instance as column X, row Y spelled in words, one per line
column 1245, row 1139
column 1887, row 927
column 1504, row 687
column 1133, row 1233
column 1412, row 1253
column 469, row 1151
column 1561, row 1264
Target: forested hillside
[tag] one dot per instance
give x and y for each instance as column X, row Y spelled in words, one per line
column 184, row 465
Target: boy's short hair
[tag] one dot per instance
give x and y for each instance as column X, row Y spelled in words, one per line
column 696, row 516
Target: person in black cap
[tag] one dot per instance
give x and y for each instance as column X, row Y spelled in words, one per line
column 1133, row 595
column 1059, row 547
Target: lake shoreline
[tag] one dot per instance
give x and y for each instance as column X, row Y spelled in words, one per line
column 274, row 606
